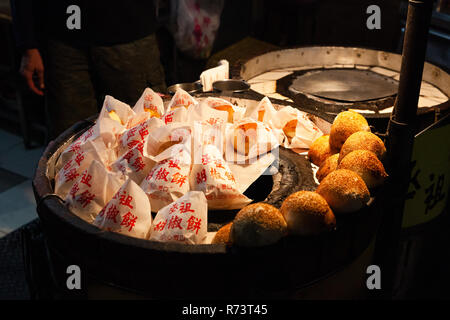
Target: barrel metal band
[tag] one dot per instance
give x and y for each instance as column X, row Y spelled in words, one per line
column 45, row 197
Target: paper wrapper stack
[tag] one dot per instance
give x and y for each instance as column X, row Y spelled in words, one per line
column 208, row 77
column 177, row 161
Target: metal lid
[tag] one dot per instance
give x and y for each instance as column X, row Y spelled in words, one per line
column 231, row 85
column 189, row 87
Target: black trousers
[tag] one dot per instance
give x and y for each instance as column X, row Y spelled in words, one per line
column 78, row 78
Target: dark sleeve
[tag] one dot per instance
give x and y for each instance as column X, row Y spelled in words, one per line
column 24, row 27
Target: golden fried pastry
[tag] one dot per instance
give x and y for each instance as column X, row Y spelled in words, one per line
column 227, row 108
column 223, row 235
column 329, row 165
column 344, row 191
column 261, row 113
column 290, row 128
column 113, row 115
column 344, row 125
column 152, row 112
column 320, row 150
column 307, row 213
column 257, row 224
column 363, row 141
column 366, row 164
column 245, row 136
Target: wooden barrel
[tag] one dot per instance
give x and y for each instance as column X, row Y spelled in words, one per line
column 294, row 267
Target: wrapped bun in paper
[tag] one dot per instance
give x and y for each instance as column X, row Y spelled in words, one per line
column 169, row 178
column 164, row 137
column 135, row 163
column 138, row 119
column 247, row 139
column 220, row 105
column 92, row 190
column 131, row 137
column 185, row 220
column 128, row 212
column 298, row 129
column 116, row 110
column 113, row 120
column 151, row 103
column 200, row 113
column 176, row 115
column 80, row 161
column 264, row 111
column 90, row 134
column 205, row 133
column 181, row 99
column 213, row 177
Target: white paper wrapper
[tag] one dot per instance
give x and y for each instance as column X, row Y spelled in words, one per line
column 168, row 180
column 220, row 105
column 138, row 119
column 80, row 161
column 205, row 133
column 181, row 99
column 93, row 135
column 116, row 110
column 246, row 174
column 134, row 164
column 239, row 113
column 305, row 131
column 176, row 115
column 131, row 137
column 128, row 212
column 162, row 137
column 247, row 139
column 113, row 120
column 185, row 220
column 201, row 112
column 209, row 237
column 151, row 103
column 264, row 112
column 92, row 190
column 208, row 77
column 215, row 179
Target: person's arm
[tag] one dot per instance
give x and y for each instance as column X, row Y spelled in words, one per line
column 26, row 40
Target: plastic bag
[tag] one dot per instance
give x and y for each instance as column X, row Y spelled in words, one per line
column 197, row 22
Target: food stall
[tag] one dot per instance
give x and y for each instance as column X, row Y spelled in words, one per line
column 289, row 197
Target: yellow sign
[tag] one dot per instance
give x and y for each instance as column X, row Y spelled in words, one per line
column 430, row 176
